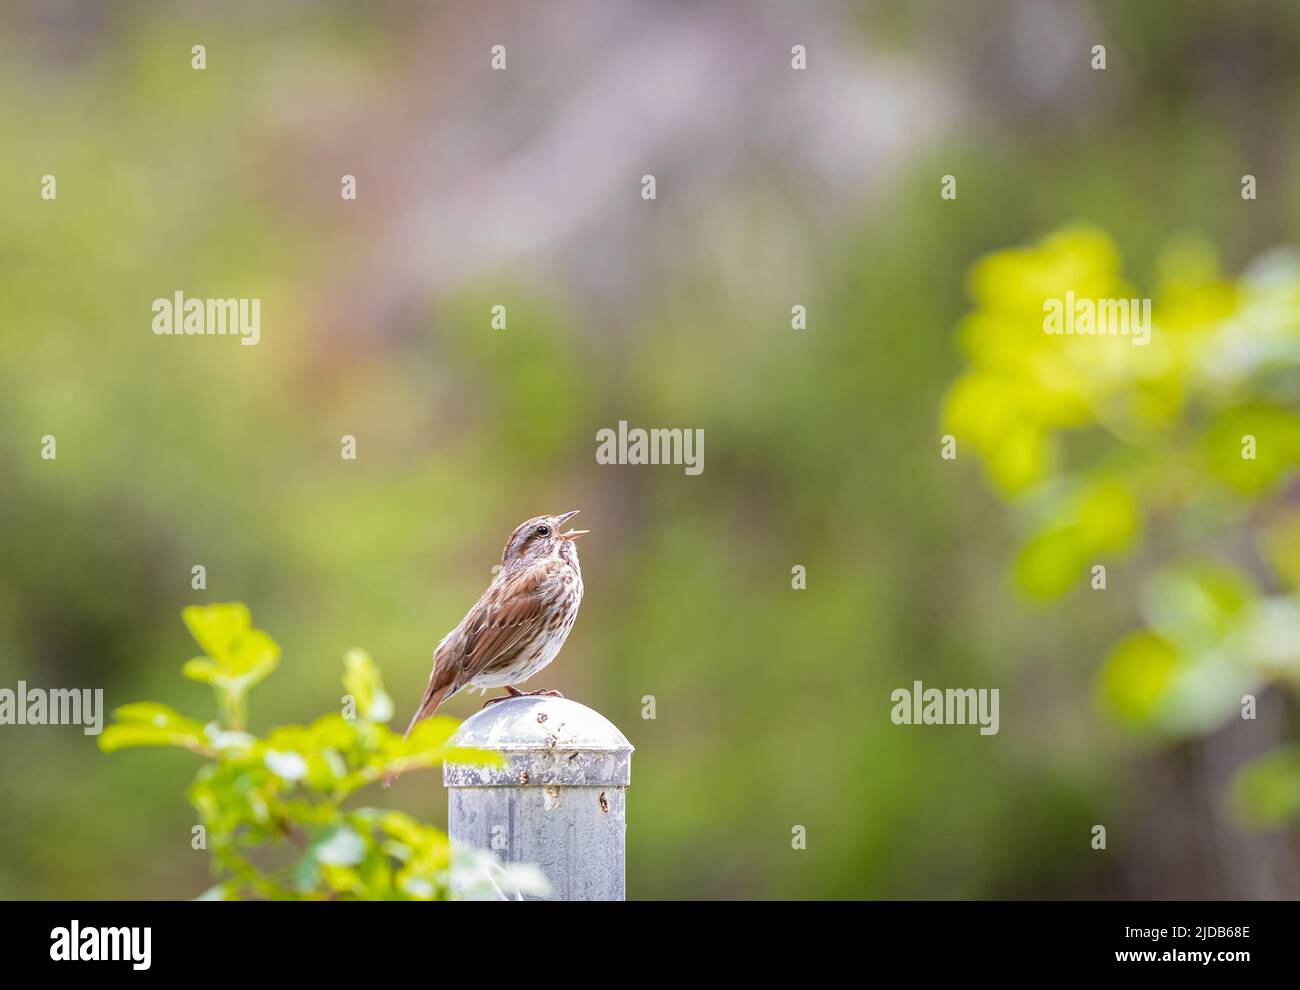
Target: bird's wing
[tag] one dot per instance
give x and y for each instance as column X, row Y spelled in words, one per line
column 493, row 629
column 497, row 627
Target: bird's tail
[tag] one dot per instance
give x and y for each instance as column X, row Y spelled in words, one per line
column 432, row 699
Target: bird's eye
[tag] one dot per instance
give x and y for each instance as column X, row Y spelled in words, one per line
column 543, row 530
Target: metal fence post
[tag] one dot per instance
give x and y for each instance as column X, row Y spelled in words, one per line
column 558, row 801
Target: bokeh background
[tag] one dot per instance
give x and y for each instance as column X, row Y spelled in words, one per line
column 522, row 188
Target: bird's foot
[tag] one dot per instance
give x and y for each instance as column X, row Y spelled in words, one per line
column 511, row 692
column 516, row 693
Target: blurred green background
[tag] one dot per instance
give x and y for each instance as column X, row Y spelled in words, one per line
column 522, row 188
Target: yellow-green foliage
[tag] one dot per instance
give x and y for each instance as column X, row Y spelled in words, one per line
column 1105, row 448
column 287, row 789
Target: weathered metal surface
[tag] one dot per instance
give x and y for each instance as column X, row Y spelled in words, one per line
column 559, row 800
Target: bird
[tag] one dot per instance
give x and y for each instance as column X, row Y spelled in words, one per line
column 518, row 624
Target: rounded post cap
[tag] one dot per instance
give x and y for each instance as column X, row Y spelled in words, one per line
column 546, row 741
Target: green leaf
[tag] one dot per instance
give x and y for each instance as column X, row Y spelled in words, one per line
column 1090, row 521
column 1253, row 447
column 1196, row 605
column 431, row 734
column 1266, row 793
column 153, row 713
column 146, row 723
column 237, row 655
column 361, row 680
column 201, row 669
column 1137, row 676
column 1108, row 517
column 255, row 656
column 117, row 736
column 218, row 628
column 257, row 792
column 1051, row 562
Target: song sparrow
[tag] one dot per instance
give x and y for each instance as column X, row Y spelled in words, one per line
column 519, row 624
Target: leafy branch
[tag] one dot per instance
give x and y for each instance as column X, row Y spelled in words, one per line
column 1185, row 448
column 272, row 807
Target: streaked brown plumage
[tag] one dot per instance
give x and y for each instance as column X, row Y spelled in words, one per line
column 519, row 624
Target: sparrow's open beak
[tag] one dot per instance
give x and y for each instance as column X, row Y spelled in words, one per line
column 572, row 534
